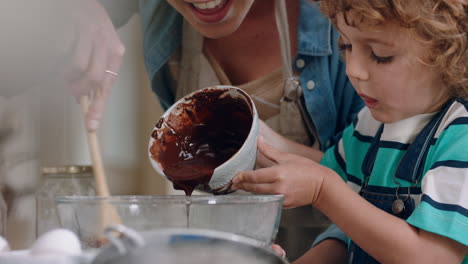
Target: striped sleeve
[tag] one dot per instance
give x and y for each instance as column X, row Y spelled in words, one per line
column 335, row 158
column 444, row 204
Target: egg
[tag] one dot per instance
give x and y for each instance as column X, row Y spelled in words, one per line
column 57, row 242
column 4, row 245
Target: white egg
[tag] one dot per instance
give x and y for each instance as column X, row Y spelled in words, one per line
column 57, row 242
column 4, row 245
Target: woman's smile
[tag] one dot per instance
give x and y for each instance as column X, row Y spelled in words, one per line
column 211, row 11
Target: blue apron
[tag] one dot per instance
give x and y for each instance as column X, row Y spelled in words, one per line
column 396, row 201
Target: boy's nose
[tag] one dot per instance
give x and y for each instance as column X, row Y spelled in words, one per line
column 356, row 66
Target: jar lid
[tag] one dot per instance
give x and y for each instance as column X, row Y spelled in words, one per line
column 67, row 169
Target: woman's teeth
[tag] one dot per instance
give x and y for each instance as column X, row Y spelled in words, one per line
column 208, row 5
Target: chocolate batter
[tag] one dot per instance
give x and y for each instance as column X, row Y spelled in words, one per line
column 199, row 136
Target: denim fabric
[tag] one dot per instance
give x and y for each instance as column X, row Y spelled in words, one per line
column 383, row 201
column 330, row 99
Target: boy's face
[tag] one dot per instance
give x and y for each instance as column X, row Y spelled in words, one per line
column 385, row 67
column 213, row 18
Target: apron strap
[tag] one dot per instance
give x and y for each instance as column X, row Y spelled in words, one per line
column 192, row 45
column 281, row 18
column 291, row 87
column 292, row 101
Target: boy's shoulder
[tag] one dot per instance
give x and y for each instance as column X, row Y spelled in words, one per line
column 457, row 114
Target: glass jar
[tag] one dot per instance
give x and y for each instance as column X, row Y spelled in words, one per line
column 60, row 181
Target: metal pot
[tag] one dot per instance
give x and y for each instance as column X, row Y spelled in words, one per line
column 182, row 246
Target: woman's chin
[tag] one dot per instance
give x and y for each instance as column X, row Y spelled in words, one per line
column 215, row 34
column 216, row 31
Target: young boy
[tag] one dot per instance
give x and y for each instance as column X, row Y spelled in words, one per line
column 404, row 159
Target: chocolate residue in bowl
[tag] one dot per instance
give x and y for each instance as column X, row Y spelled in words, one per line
column 200, row 135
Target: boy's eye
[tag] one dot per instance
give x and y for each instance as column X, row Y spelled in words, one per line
column 381, row 60
column 344, row 47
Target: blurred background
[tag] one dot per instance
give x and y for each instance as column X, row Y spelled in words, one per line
column 130, row 116
column 41, row 123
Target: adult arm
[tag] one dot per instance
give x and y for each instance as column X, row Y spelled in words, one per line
column 285, row 145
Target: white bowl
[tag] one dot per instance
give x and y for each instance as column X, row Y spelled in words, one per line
column 243, row 159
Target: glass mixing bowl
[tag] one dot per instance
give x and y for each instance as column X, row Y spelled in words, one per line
column 182, row 246
column 252, row 216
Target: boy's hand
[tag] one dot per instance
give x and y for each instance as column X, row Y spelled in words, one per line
column 298, row 179
column 278, row 250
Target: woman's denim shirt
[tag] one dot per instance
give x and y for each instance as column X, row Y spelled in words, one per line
column 329, row 97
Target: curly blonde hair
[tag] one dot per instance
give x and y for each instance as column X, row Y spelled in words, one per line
column 442, row 25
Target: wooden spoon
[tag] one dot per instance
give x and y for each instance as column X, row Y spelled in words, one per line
column 108, row 214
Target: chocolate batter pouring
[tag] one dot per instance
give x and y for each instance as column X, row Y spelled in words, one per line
column 200, row 135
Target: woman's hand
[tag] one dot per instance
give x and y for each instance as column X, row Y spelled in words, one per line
column 273, row 139
column 59, row 43
column 299, row 179
column 283, row 144
column 95, row 55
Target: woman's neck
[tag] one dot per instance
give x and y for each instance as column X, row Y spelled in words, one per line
column 253, row 50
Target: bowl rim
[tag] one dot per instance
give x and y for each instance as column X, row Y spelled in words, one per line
column 174, row 199
column 192, row 233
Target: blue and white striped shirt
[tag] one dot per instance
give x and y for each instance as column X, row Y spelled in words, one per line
column 441, row 195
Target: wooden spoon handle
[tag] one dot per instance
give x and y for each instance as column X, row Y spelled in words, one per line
column 102, row 188
column 108, row 214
